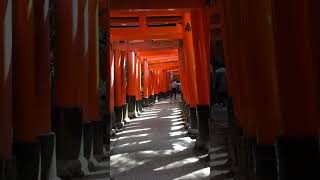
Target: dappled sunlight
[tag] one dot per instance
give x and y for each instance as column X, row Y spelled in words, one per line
column 170, row 117
column 174, row 128
column 177, row 119
column 151, row 112
column 177, row 123
column 133, row 130
column 203, row 173
column 178, row 164
column 131, row 127
column 143, row 118
column 144, row 142
column 132, row 136
column 161, row 151
column 175, row 113
column 133, row 143
column 177, row 133
column 163, row 102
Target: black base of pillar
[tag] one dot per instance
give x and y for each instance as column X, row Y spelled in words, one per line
column 67, row 124
column 48, row 156
column 132, row 107
column 265, row 162
column 98, row 143
column 188, row 113
column 8, row 168
column 193, row 131
column 145, row 102
column 88, row 130
column 193, row 118
column 152, row 99
column 156, row 98
column 126, row 118
column 140, row 105
column 119, row 117
column 27, row 159
column 298, row 158
column 203, row 115
column 108, row 127
column 246, row 158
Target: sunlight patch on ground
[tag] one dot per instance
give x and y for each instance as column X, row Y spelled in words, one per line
column 177, row 133
column 144, row 142
column 174, row 128
column 170, row 117
column 203, row 173
column 133, row 130
column 143, row 118
column 176, row 113
column 133, row 136
column 177, row 119
column 177, row 123
column 178, row 164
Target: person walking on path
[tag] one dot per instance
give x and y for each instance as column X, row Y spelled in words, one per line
column 174, row 86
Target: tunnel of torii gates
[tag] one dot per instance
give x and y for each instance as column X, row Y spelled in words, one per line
column 270, row 50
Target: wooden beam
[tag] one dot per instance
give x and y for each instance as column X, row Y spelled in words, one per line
column 173, row 52
column 159, row 4
column 146, row 46
column 148, row 13
column 163, row 61
column 149, row 33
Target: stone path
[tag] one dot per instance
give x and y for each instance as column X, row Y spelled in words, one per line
column 219, row 129
column 155, row 146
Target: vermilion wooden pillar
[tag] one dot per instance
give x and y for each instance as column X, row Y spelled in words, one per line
column 263, row 97
column 24, row 111
column 235, row 38
column 151, row 86
column 200, row 29
column 68, row 116
column 146, row 80
column 6, row 159
column 191, row 69
column 124, row 86
column 138, row 85
column 117, row 89
column 131, row 92
column 297, row 146
column 43, row 89
column 315, row 37
column 184, row 74
column 110, row 86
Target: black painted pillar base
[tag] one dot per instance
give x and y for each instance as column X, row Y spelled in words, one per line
column 193, row 130
column 88, row 136
column 8, row 168
column 156, row 98
column 140, row 106
column 108, row 127
column 246, row 158
column 145, row 102
column 67, row 124
column 28, row 163
column 151, row 99
column 298, row 158
column 98, row 143
column 265, row 162
column 126, row 118
column 132, row 107
column 203, row 115
column 48, row 156
column 119, row 116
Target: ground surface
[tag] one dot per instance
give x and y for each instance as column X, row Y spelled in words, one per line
column 155, row 146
